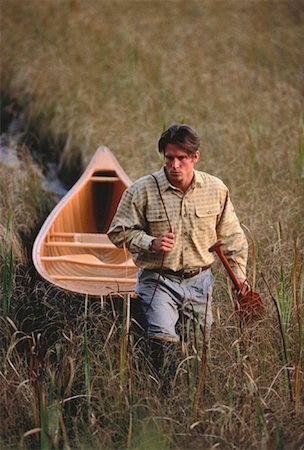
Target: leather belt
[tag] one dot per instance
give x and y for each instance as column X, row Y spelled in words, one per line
column 184, row 274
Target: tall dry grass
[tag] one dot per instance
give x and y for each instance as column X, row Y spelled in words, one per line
column 76, row 75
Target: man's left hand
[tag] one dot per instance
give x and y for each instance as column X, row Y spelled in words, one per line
column 245, row 287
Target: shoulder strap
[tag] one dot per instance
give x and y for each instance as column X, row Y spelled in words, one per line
column 162, row 200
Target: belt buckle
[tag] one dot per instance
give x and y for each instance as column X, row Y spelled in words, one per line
column 190, row 273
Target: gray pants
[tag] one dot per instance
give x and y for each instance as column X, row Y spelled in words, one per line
column 191, row 296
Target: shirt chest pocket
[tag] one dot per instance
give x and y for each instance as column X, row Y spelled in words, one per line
column 206, row 217
column 157, row 223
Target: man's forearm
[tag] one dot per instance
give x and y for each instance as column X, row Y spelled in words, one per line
column 238, row 258
column 134, row 240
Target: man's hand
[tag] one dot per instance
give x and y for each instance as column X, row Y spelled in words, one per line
column 244, row 286
column 249, row 304
column 163, row 243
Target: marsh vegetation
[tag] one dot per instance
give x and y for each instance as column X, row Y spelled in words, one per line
column 76, row 75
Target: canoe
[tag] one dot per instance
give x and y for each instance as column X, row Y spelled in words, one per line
column 72, row 249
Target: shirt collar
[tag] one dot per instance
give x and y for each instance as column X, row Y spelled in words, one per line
column 198, row 179
column 165, row 184
column 162, row 180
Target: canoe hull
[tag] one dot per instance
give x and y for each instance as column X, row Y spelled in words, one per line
column 72, row 250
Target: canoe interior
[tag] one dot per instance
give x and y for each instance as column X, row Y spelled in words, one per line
column 72, row 250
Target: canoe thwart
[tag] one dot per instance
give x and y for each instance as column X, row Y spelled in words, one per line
column 82, row 237
column 104, row 179
column 87, row 260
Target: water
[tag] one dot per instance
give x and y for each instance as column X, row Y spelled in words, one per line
column 11, row 157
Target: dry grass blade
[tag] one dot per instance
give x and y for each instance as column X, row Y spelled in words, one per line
column 87, row 370
column 298, row 277
column 283, row 337
column 27, row 434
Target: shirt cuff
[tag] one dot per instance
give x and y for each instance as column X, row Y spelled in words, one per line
column 146, row 242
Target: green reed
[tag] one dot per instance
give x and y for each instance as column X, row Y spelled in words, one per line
column 87, row 370
column 124, row 339
column 45, row 435
column 262, row 421
column 284, row 305
column 39, row 390
column 49, row 388
column 298, row 284
column 201, row 377
column 253, row 148
column 7, row 257
column 286, row 301
column 300, row 156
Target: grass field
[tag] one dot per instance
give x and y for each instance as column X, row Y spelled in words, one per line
column 79, row 74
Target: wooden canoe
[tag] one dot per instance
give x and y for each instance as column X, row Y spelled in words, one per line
column 72, row 250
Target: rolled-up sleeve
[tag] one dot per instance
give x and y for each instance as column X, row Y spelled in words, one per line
column 129, row 224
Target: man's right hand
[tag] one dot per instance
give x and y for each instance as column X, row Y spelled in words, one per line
column 163, row 243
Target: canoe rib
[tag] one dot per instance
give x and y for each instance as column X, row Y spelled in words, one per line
column 78, row 244
column 94, row 279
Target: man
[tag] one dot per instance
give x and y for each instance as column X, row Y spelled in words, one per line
column 168, row 220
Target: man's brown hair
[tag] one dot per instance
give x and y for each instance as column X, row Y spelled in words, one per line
column 182, row 135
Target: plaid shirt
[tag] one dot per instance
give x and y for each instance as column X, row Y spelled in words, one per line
column 200, row 216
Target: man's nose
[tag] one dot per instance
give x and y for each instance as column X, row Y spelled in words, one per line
column 175, row 162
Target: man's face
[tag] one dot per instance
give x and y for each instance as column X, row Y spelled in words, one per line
column 180, row 165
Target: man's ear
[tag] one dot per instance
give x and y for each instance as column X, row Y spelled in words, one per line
column 196, row 156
